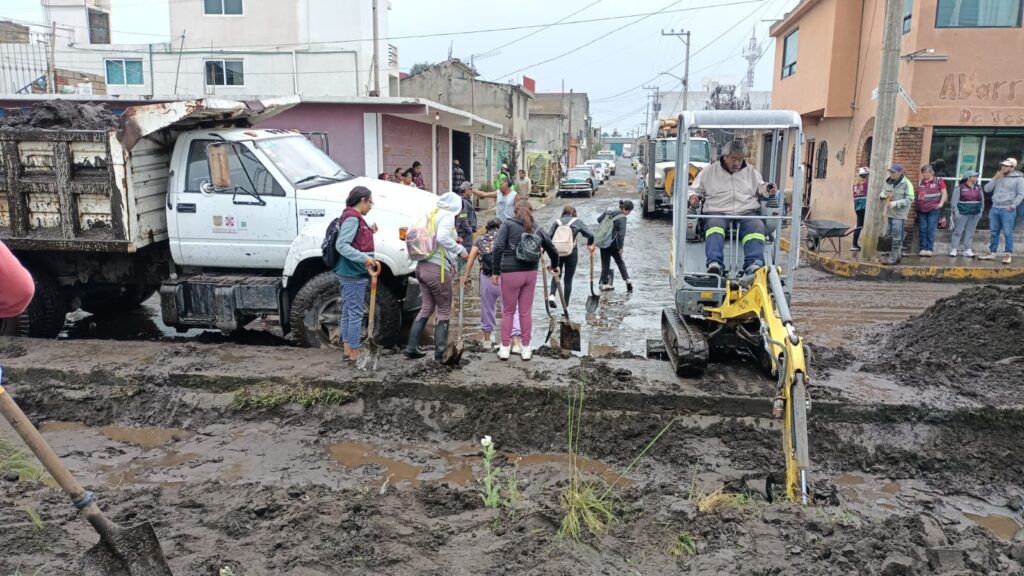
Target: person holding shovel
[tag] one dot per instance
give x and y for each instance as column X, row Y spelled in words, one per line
column 564, row 234
column 436, row 276
column 355, row 245
column 483, row 249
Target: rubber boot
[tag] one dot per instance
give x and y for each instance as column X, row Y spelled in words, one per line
column 412, row 350
column 896, row 254
column 440, row 340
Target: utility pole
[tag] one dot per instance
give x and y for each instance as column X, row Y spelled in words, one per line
column 568, row 141
column 655, row 107
column 686, row 65
column 51, row 63
column 885, row 125
column 376, row 54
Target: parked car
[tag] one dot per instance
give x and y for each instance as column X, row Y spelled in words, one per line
column 577, row 181
column 609, row 156
column 595, row 174
column 600, row 167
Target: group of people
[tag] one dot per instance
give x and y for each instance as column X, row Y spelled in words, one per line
column 966, row 202
column 411, row 176
column 511, row 250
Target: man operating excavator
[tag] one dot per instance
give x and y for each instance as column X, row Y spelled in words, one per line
column 731, row 187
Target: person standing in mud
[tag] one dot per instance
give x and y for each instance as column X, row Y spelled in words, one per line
column 16, row 284
column 355, row 245
column 567, row 264
column 967, row 204
column 860, row 202
column 490, row 294
column 436, row 276
column 899, row 195
column 516, row 272
column 611, row 239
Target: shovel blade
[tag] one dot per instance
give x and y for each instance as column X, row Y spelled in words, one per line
column 370, row 355
column 131, row 551
column 592, row 302
column 569, row 336
column 453, row 353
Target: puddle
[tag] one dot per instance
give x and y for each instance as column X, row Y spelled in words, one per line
column 892, row 488
column 146, row 437
column 849, row 480
column 1002, row 526
column 587, row 466
column 358, row 454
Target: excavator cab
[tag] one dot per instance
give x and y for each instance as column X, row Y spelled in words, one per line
column 718, row 317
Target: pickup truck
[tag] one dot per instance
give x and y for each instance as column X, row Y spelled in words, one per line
column 104, row 219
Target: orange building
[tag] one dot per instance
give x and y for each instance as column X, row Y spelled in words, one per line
column 960, row 65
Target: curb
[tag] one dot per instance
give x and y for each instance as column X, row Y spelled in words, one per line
column 872, row 271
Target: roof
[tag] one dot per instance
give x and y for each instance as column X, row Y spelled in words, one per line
column 791, row 17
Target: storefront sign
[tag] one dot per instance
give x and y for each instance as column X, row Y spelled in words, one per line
column 964, row 86
column 991, row 118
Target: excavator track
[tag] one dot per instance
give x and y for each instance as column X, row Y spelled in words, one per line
column 685, row 345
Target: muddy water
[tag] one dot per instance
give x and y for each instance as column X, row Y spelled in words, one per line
column 144, row 437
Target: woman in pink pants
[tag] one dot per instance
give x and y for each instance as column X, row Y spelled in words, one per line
column 515, row 270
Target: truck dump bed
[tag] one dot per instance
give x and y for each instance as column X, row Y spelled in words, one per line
column 103, row 191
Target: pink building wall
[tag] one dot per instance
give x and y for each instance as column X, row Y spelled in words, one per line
column 343, row 125
column 444, row 159
column 406, row 141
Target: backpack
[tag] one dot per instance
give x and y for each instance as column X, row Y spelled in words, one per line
column 605, row 234
column 327, row 250
column 563, row 238
column 529, row 248
column 421, row 239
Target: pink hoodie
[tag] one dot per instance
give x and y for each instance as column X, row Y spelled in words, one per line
column 16, row 286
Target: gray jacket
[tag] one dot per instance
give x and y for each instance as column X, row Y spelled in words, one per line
column 902, row 194
column 1008, row 191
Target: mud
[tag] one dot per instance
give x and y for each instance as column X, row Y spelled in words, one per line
column 62, row 115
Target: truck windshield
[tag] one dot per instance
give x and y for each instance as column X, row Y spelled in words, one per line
column 665, row 151
column 301, row 162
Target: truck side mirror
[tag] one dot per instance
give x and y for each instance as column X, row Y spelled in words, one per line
column 220, row 168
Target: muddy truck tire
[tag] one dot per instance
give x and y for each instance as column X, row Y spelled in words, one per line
column 44, row 316
column 109, row 302
column 316, row 313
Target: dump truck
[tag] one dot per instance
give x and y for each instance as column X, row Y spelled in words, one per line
column 190, row 200
column 656, row 194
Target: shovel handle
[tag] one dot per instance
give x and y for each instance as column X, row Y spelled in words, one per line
column 83, row 500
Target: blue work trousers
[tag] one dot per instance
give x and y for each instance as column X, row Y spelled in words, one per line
column 353, row 307
column 1000, row 221
column 927, row 224
column 752, row 238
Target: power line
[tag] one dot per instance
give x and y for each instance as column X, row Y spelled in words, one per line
column 538, row 31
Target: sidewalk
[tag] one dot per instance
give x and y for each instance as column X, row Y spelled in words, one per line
column 940, row 267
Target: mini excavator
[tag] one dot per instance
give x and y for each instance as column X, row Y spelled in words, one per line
column 715, row 316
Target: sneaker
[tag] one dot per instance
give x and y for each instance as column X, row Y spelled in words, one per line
column 1007, row 258
column 606, row 287
column 526, row 353
column 552, row 303
column 715, row 268
column 629, row 286
column 922, row 253
column 504, row 352
column 952, row 253
column 752, row 269
column 516, row 348
column 969, row 253
column 855, row 249
column 989, row 256
column 929, row 253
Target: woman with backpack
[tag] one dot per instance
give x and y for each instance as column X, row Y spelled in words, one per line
column 355, row 246
column 517, row 252
column 436, row 275
column 968, row 203
column 611, row 239
column 483, row 249
column 564, row 234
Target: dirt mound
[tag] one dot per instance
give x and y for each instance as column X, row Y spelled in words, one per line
column 62, row 115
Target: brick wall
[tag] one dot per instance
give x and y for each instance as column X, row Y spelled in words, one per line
column 444, row 160
column 863, row 157
column 404, row 142
column 907, row 151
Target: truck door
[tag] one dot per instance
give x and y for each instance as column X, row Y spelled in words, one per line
column 234, row 229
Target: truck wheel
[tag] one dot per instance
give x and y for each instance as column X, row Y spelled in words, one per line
column 44, row 316
column 645, row 210
column 107, row 302
column 316, row 313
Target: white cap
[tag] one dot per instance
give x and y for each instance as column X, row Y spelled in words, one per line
column 863, row 170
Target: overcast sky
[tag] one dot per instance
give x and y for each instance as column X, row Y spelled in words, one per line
column 608, row 57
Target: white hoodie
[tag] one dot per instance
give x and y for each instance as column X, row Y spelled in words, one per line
column 449, row 205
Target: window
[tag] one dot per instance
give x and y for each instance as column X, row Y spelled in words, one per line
column 222, row 7
column 908, row 9
column 978, row 14
column 224, row 73
column 99, row 27
column 124, row 72
column 789, row 54
column 821, row 163
column 243, row 171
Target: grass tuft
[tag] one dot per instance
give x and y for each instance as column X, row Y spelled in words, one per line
column 720, row 499
column 683, row 544
column 267, row 395
column 14, row 458
column 585, row 507
column 37, row 520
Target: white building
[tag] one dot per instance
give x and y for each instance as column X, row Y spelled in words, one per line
column 234, row 48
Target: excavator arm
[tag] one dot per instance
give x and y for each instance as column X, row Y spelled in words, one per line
column 763, row 299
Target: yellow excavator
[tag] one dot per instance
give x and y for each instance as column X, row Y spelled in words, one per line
column 717, row 315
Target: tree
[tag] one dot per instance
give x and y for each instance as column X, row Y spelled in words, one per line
column 419, row 67
column 604, row 134
column 616, row 133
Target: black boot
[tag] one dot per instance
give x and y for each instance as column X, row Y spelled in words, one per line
column 412, row 350
column 440, row 340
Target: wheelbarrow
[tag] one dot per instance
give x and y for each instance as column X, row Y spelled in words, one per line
column 834, row 232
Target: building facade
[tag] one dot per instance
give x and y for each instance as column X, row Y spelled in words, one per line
column 560, row 124
column 959, row 67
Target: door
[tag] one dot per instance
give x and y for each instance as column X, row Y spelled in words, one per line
column 234, row 229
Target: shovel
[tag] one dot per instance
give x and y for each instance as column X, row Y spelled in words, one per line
column 593, row 300
column 131, row 551
column 569, row 336
column 547, row 309
column 453, row 349
column 371, row 354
